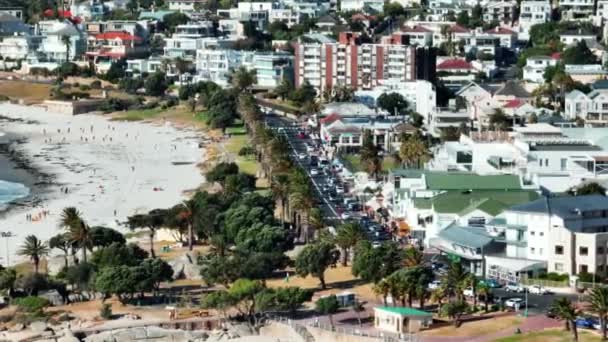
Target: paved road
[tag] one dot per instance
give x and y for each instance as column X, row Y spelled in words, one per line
column 297, row 147
column 537, row 304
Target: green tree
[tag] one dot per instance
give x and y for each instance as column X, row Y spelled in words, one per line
column 591, row 188
column 412, row 257
column 566, row 311
column 79, row 275
column 284, row 89
column 393, row 9
column 67, row 42
column 116, row 71
column 61, row 242
column 243, row 79
column 8, row 276
column 155, row 84
column 579, row 54
column 305, row 93
column 347, row 237
column 314, row 259
column 291, row 298
column 533, row 118
column 393, row 103
column 500, row 121
column 370, row 154
column 117, row 280
column 172, row 20
column 455, row 310
column 157, row 271
column 152, row 221
column 463, row 19
column 484, row 291
column 375, row 263
column 77, row 231
column 598, row 304
column 103, row 236
column 457, row 279
column 34, row 249
column 118, row 254
column 413, row 152
column 328, row 306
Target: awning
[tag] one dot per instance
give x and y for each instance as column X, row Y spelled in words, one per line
column 516, row 265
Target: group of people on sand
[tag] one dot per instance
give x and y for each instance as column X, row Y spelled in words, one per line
column 37, row 217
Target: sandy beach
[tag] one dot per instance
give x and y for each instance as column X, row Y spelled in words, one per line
column 107, row 169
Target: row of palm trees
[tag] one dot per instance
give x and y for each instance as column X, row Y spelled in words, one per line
column 597, row 303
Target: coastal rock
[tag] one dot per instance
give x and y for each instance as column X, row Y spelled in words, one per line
column 17, row 327
column 68, row 336
column 185, row 266
column 146, row 333
column 38, row 326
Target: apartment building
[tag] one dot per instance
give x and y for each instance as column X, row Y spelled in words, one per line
column 540, row 153
column 361, row 65
column 569, row 233
column 418, row 35
column 18, row 47
column 130, row 26
column 532, row 13
column 185, row 5
column 188, row 38
column 536, row 66
column 592, row 107
column 420, row 95
column 53, row 48
column 501, row 11
column 577, row 9
column 358, row 5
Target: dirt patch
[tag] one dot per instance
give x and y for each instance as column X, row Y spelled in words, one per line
column 477, row 328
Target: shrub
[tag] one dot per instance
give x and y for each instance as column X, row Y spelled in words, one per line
column 32, row 304
column 106, row 311
column 246, row 151
column 96, row 84
column 554, row 276
column 84, row 87
column 4, row 98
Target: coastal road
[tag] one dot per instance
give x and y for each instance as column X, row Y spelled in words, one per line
column 298, row 147
column 537, row 304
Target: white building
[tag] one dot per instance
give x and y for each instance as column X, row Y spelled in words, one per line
column 418, row 35
column 88, row 9
column 358, row 5
column 53, row 48
column 540, row 153
column 501, row 11
column 592, row 107
column 189, row 38
column 420, row 95
column 536, row 66
column 575, row 37
column 185, row 5
column 576, row 9
column 138, row 67
column 567, row 233
column 18, row 47
column 532, row 13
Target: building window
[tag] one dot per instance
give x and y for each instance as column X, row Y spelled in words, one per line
column 541, row 233
column 583, row 251
column 562, row 164
column 532, row 250
column 540, row 251
column 600, row 250
column 532, row 233
column 583, row 268
column 559, row 250
column 559, row 267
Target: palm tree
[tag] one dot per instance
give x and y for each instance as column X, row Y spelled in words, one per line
column 358, row 308
column 598, row 304
column 412, row 257
column 484, row 291
column 413, row 152
column 280, row 192
column 67, row 41
column 316, row 221
column 565, row 310
column 243, row 79
column 188, row 210
column 347, row 237
column 34, row 249
column 381, row 289
column 457, row 279
column 455, row 310
column 78, row 232
column 438, row 295
column 152, row 220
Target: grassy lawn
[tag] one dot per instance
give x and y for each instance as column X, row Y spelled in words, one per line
column 388, row 163
column 29, row 92
column 477, row 328
column 247, row 164
column 137, row 114
column 551, row 335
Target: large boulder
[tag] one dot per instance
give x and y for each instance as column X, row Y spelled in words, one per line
column 185, row 266
column 147, row 333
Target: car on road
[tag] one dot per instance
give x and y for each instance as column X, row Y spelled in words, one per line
column 536, row 289
column 345, row 216
column 586, row 322
column 597, row 325
column 302, row 156
column 340, row 189
column 514, row 303
column 468, row 292
column 514, row 287
column 309, row 148
column 492, row 283
column 314, row 172
column 434, row 284
column 301, row 135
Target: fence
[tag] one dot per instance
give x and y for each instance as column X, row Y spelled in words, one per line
column 300, row 328
column 545, row 282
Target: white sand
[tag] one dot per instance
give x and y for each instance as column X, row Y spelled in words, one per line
column 101, row 175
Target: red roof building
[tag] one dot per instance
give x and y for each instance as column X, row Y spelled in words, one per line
column 330, row 118
column 514, row 104
column 114, row 45
column 459, row 29
column 454, row 65
column 416, row 29
column 500, row 31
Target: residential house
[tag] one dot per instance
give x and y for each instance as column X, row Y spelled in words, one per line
column 455, row 72
column 511, row 90
column 418, row 35
column 540, row 153
column 62, row 41
column 133, row 27
column 271, row 68
column 16, row 12
column 431, row 201
column 443, row 118
column 592, row 107
column 88, row 9
column 186, row 5
column 575, row 37
column 602, row 9
column 376, row 6
column 142, row 67
column 345, row 133
column 327, row 22
column 586, row 73
column 535, row 68
column 400, row 320
column 19, row 46
column 105, row 48
column 189, row 38
column 577, row 9
column 11, row 25
column 532, row 13
column 568, row 233
column 501, row 11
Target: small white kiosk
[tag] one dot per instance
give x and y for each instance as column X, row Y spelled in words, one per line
column 400, row 320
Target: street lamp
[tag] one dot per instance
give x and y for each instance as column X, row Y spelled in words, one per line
column 7, row 235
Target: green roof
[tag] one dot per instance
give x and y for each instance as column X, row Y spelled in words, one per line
column 404, row 311
column 473, row 237
column 447, row 181
column 492, row 202
column 157, row 15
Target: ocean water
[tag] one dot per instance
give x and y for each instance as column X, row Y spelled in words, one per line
column 10, row 191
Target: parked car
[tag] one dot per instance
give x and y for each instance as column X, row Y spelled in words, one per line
column 585, row 322
column 492, row 283
column 345, row 216
column 537, row 289
column 514, row 303
column 514, row 287
column 301, row 135
column 302, row 156
column 309, row 148
column 340, row 189
column 468, row 292
column 314, row 172
column 434, row 284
